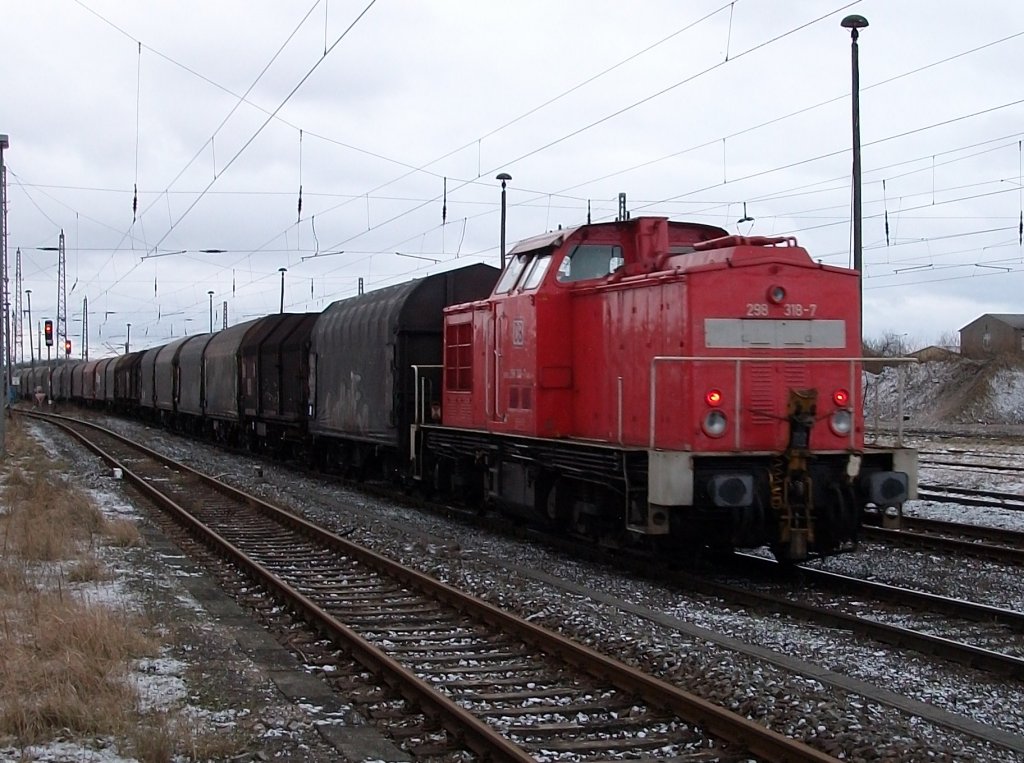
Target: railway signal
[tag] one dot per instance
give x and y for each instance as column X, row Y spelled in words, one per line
column 48, row 333
column 67, row 348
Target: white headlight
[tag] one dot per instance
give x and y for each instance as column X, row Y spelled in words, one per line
column 841, row 422
column 715, row 423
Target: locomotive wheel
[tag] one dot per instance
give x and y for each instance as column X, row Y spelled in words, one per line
column 781, row 553
column 556, row 508
column 834, row 521
column 442, row 482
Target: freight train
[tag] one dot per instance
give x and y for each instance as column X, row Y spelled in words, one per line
column 643, row 383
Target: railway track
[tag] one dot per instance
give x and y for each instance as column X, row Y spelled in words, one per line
column 831, row 616
column 498, row 685
column 1000, row 625
column 996, row 544
column 971, row 497
column 982, row 466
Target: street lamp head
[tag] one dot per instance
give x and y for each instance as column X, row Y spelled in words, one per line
column 853, row 23
column 503, row 176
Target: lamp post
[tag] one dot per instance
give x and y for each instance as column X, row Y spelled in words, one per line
column 128, row 339
column 504, row 177
column 211, row 309
column 855, row 23
column 4, row 337
column 283, row 271
column 31, row 349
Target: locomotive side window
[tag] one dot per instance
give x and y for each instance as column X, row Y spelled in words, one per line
column 588, row 261
column 537, row 272
column 511, row 274
column 459, row 357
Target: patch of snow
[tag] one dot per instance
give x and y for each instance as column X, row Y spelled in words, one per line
column 957, row 391
column 159, row 683
column 1007, row 398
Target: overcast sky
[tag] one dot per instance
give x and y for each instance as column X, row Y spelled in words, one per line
column 219, row 111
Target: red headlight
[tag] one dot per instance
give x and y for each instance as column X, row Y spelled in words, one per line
column 841, row 398
column 713, row 398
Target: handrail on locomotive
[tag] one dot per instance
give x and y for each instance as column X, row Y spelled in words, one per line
column 739, row 360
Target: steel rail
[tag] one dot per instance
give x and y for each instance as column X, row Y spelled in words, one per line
column 922, row 534
column 1000, row 664
column 971, row 496
column 983, row 467
column 947, row 605
column 981, row 532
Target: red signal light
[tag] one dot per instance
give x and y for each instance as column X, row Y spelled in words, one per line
column 67, row 347
column 48, row 333
column 713, row 398
column 841, row 397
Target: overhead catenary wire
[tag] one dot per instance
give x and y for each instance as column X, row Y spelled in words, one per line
column 265, row 122
column 210, row 142
column 608, row 117
column 901, row 75
column 241, row 150
column 797, row 112
column 891, row 79
column 368, row 198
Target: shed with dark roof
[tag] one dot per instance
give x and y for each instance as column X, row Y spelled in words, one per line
column 993, row 334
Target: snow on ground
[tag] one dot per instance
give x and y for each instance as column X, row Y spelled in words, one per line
column 953, row 392
column 1007, row 398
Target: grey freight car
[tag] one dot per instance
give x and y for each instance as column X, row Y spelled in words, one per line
column 274, row 359
column 362, row 353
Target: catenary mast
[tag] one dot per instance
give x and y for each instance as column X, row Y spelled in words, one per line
column 62, row 298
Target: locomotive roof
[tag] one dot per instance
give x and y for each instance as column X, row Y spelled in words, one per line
column 558, row 237
column 554, row 238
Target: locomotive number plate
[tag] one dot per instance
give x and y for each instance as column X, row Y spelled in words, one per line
column 790, row 310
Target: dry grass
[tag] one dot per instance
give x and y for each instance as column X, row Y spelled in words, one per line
column 63, row 667
column 87, row 569
column 122, row 533
column 64, row 663
column 166, row 735
column 47, row 520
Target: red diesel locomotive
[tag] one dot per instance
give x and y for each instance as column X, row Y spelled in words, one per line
column 665, row 383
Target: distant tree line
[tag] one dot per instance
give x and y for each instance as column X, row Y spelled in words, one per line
column 893, row 344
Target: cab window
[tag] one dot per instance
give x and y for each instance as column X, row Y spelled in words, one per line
column 511, row 275
column 537, row 272
column 588, row 261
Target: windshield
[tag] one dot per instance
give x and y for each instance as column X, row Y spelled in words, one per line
column 590, row 261
column 511, row 274
column 537, row 272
